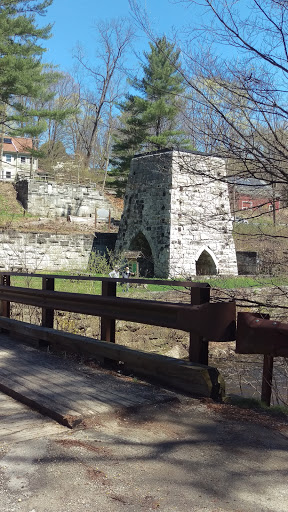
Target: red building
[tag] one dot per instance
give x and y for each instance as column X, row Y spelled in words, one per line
column 251, row 194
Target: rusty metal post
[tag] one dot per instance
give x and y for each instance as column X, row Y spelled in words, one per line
column 108, row 324
column 198, row 348
column 267, row 380
column 48, row 283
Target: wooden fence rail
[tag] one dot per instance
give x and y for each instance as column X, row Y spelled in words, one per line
column 203, row 320
column 257, row 334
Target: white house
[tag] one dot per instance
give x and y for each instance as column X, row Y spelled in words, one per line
column 16, row 159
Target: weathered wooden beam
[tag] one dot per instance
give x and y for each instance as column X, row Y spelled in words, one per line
column 267, row 379
column 192, row 378
column 198, row 346
column 256, row 335
column 5, row 308
column 48, row 283
column 108, row 325
column 5, row 305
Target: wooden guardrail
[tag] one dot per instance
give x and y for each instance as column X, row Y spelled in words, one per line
column 257, row 334
column 203, row 320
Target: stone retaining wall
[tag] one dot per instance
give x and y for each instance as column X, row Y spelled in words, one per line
column 50, row 199
column 33, row 252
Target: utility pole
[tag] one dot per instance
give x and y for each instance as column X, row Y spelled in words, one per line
column 274, row 203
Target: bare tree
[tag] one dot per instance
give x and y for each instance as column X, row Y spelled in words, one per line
column 114, row 39
column 235, row 68
column 246, row 97
column 238, row 98
column 66, row 97
column 236, row 103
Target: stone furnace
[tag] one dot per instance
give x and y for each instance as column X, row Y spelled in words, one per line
column 177, row 215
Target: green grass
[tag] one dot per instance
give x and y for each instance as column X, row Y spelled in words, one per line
column 10, row 208
column 26, row 282
column 75, row 286
column 94, row 287
column 259, row 227
column 61, row 285
column 244, row 281
column 257, row 405
column 6, row 214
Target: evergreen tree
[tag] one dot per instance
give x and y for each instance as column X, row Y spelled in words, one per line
column 149, row 119
column 24, row 80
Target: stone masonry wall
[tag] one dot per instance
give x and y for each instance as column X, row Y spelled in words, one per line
column 44, row 251
column 147, row 208
column 200, row 215
column 179, row 202
column 50, row 199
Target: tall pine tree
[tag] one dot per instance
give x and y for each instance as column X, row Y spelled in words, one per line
column 24, row 80
column 149, row 119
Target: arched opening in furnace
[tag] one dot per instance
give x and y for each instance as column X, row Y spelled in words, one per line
column 145, row 259
column 205, row 265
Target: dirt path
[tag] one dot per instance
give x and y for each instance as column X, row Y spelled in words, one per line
column 190, row 456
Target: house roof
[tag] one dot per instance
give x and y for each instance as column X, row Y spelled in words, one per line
column 251, row 186
column 133, row 254
column 17, row 145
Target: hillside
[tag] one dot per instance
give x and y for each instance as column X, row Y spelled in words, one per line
column 10, row 208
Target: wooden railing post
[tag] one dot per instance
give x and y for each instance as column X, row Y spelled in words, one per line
column 267, row 380
column 5, row 304
column 48, row 283
column 198, row 348
column 108, row 324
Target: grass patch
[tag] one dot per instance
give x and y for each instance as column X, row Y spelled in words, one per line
column 10, row 209
column 260, row 227
column 94, row 287
column 79, row 286
column 26, row 282
column 243, row 281
column 280, row 411
column 61, row 285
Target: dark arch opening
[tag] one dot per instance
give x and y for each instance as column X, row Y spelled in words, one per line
column 205, row 265
column 145, row 261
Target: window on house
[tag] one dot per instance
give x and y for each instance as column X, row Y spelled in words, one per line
column 6, row 140
column 8, row 174
column 8, row 158
column 23, row 159
column 247, row 204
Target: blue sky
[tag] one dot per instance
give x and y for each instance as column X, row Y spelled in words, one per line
column 74, row 21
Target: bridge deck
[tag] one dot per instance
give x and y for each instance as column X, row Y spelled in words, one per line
column 65, row 390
